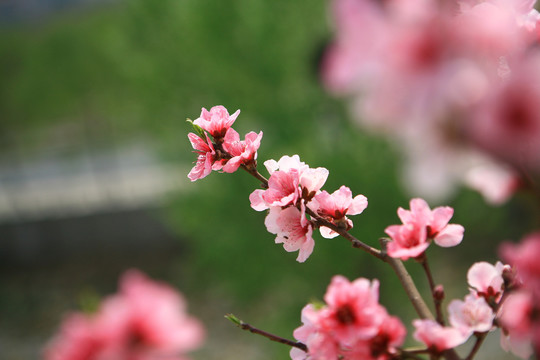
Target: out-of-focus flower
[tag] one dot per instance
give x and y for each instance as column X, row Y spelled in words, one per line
column 145, row 320
column 525, row 258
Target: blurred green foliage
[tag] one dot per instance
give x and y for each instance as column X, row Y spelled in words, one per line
column 141, row 67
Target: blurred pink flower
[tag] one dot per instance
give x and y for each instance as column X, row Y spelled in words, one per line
column 334, row 208
column 145, row 320
column 242, row 152
column 292, row 229
column 525, row 258
column 437, row 337
column 216, row 121
column 516, row 319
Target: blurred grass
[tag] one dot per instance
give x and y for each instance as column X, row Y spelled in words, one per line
column 140, row 67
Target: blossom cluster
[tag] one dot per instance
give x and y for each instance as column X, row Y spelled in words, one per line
column 294, row 188
column 227, row 152
column 454, row 84
column 145, row 320
column 352, row 325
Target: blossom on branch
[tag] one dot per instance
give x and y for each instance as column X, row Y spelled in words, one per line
column 207, row 159
column 334, row 208
column 293, row 230
column 217, row 121
column 352, row 325
column 243, row 152
column 420, row 225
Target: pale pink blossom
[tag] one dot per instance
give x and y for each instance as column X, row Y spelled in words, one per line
column 525, row 258
column 334, row 208
column 293, row 230
column 437, row 337
column 206, row 159
column 217, row 121
column 145, row 320
column 408, row 240
column 242, row 152
column 486, row 280
column 472, row 315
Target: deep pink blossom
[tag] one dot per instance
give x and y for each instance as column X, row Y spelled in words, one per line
column 206, row 159
column 217, row 121
column 420, row 224
column 293, row 230
column 353, row 310
column 145, row 320
column 352, row 325
column 242, row 152
column 334, row 208
column 437, row 337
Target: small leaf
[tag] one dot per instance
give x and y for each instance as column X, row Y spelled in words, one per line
column 234, row 319
column 197, row 129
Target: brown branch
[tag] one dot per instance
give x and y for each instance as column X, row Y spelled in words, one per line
column 436, row 300
column 272, row 337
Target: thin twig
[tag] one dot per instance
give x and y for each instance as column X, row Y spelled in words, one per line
column 436, row 300
column 272, row 337
column 407, row 282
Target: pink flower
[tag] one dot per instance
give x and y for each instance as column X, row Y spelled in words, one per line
column 334, row 207
column 524, row 257
column 290, row 180
column 486, row 280
column 292, row 229
column 506, row 123
column 471, row 315
column 437, row 337
column 216, row 121
column 420, row 224
column 352, row 325
column 145, row 320
column 353, row 310
column 242, row 152
column 206, row 159
column 515, row 318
